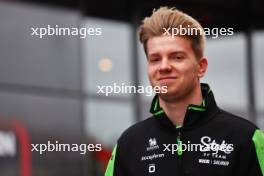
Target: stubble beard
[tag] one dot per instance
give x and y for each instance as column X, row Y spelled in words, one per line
column 178, row 94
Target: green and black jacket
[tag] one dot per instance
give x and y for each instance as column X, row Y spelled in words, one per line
column 230, row 145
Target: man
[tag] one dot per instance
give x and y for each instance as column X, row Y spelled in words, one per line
column 188, row 134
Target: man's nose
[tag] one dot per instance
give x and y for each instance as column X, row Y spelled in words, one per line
column 165, row 65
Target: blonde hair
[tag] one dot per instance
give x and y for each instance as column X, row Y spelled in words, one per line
column 165, row 18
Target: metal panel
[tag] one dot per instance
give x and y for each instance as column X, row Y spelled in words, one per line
column 28, row 60
column 50, row 116
column 227, row 72
column 114, row 44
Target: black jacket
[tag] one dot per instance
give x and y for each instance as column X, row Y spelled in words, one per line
column 211, row 142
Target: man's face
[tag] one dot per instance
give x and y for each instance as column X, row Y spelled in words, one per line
column 172, row 63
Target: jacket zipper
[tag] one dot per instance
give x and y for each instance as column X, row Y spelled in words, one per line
column 179, row 152
column 179, row 144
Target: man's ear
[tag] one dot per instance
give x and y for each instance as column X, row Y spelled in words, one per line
column 202, row 67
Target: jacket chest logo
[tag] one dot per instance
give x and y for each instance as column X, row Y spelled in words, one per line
column 152, row 144
column 214, row 153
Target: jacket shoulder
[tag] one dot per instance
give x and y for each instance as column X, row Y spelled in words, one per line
column 236, row 123
column 138, row 129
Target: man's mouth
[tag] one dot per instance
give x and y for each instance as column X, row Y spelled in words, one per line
column 167, row 78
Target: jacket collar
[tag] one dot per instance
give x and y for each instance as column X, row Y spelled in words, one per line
column 195, row 114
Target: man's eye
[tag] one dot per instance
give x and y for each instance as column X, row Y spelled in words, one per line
column 154, row 59
column 177, row 57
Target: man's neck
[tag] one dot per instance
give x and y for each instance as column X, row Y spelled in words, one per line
column 176, row 110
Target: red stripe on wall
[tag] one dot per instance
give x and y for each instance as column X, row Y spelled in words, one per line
column 25, row 148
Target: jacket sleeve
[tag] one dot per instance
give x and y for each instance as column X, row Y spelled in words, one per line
column 114, row 167
column 258, row 140
column 250, row 161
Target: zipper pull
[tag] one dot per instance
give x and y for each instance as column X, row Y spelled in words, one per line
column 179, row 144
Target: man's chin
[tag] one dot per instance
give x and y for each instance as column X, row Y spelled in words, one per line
column 169, row 96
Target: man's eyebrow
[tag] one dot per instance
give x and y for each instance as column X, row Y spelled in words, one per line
column 154, row 55
column 172, row 53
column 178, row 52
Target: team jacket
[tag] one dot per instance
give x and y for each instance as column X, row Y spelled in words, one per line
column 211, row 142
